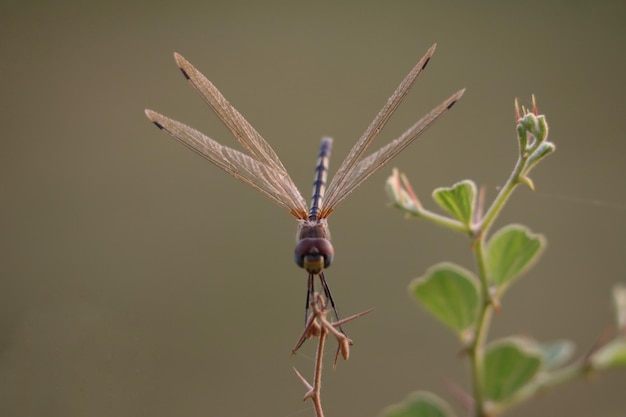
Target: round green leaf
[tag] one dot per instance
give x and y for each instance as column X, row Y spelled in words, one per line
column 510, row 252
column 450, row 293
column 458, row 200
column 510, row 364
column 420, row 404
column 611, row 355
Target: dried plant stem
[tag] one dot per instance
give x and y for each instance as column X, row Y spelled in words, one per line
column 317, row 325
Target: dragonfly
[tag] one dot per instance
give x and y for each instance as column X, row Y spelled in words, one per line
column 259, row 167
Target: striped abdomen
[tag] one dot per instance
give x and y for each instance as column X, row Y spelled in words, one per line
column 321, row 174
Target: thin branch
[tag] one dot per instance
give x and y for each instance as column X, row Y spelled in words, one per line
column 317, row 325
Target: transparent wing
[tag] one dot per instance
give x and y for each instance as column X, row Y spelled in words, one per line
column 345, row 170
column 373, row 162
column 272, row 183
column 355, row 169
column 246, row 135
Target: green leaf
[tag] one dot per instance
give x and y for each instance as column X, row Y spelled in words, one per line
column 510, row 364
column 556, row 353
column 420, row 404
column 510, row 252
column 544, row 149
column 450, row 293
column 458, row 200
column 611, row 355
column 619, row 301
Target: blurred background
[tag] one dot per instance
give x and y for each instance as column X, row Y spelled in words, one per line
column 138, row 279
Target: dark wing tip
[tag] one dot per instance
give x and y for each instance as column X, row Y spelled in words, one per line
column 152, row 116
column 429, row 54
column 185, row 74
column 456, row 97
column 183, row 64
column 426, row 58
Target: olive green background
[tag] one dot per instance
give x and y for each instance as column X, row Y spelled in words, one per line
column 136, row 279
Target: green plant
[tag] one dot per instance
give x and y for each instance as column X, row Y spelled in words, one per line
column 508, row 371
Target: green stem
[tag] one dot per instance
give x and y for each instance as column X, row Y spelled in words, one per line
column 484, row 318
column 476, row 351
column 501, row 198
column 435, row 218
column 444, row 221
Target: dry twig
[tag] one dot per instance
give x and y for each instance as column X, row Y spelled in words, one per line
column 317, row 325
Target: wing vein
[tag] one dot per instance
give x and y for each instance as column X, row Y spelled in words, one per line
column 347, row 167
column 267, row 180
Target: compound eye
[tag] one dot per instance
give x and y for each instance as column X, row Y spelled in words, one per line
column 327, row 251
column 299, row 258
column 314, row 254
column 303, row 248
column 328, row 260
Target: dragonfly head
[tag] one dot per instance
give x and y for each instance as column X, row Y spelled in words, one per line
column 314, row 254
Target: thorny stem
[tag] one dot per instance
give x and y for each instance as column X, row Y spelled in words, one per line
column 317, row 377
column 318, row 326
column 314, row 392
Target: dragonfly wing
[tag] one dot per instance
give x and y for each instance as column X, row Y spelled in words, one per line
column 336, row 187
column 243, row 131
column 272, row 183
column 373, row 162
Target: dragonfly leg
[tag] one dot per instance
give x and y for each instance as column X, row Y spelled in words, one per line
column 330, row 297
column 309, row 297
